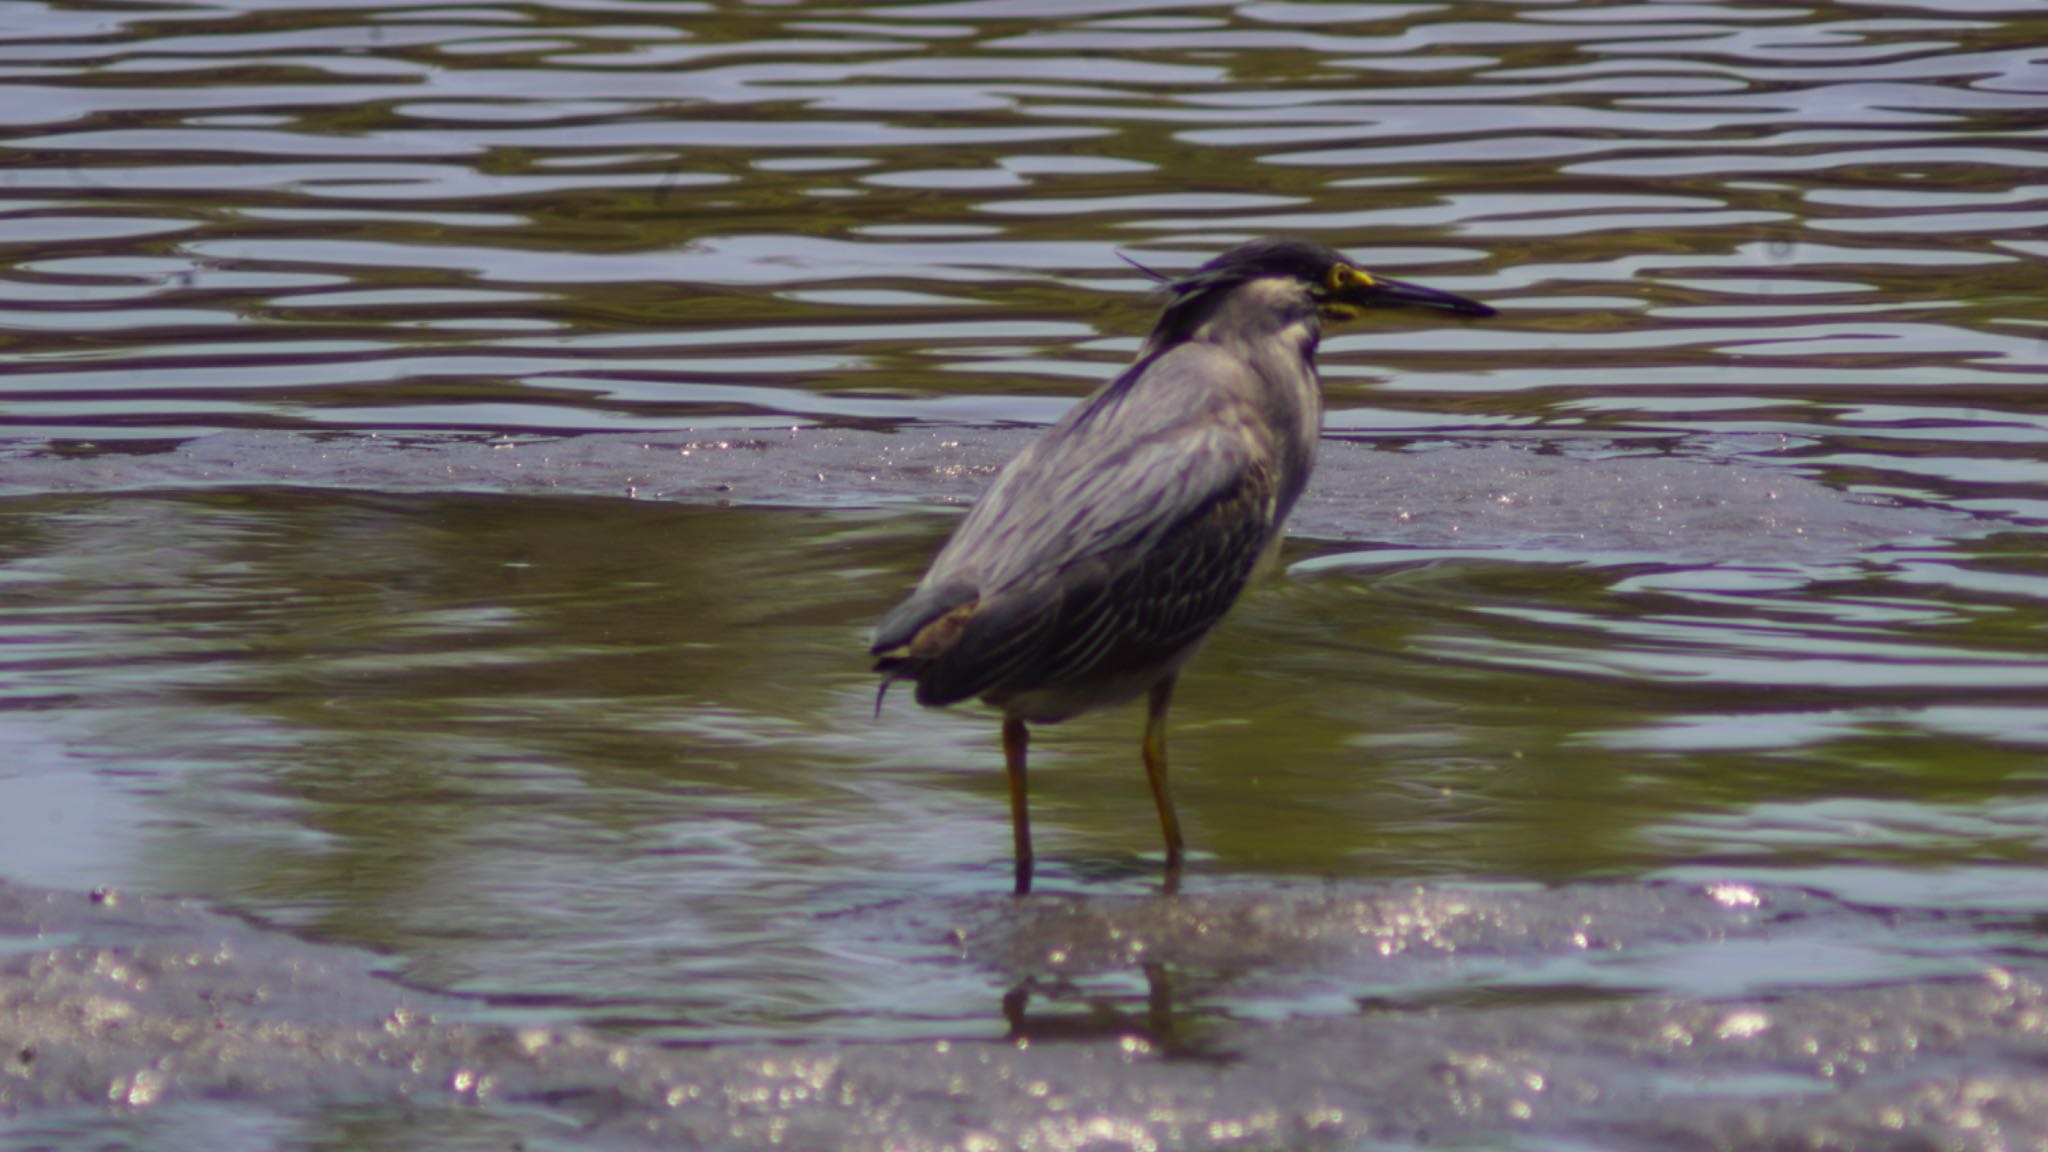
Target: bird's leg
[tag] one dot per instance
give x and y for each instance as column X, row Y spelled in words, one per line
column 1155, row 771
column 1016, row 740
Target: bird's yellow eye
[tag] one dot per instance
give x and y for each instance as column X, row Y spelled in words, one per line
column 1343, row 278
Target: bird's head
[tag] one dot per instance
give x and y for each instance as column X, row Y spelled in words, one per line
column 1279, row 276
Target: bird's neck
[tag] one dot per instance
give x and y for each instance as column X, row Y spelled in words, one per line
column 1270, row 325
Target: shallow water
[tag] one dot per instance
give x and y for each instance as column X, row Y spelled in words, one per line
column 1715, row 557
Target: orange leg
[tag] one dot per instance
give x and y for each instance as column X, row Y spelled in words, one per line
column 1016, row 741
column 1155, row 772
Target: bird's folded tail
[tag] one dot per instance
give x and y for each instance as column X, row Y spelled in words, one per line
column 909, row 660
column 893, row 668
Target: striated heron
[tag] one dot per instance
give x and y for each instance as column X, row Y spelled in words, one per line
column 1089, row 572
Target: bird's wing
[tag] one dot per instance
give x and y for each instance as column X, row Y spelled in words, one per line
column 1121, row 535
column 1158, row 442
column 1124, row 599
column 1129, row 448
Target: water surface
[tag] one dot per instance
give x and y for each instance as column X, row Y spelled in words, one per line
column 583, row 730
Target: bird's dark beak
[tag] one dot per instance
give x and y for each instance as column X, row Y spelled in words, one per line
column 1382, row 292
column 1350, row 291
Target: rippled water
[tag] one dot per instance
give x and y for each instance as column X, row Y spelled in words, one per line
column 613, row 759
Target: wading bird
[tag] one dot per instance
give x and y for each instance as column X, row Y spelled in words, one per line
column 1089, row 572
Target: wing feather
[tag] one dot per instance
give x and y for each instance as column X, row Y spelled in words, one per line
column 1136, row 599
column 1118, row 537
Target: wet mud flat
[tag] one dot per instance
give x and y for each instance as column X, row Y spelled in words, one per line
column 1713, row 501
column 116, row 1005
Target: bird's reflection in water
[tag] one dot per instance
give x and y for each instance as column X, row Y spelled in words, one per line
column 1102, row 1016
